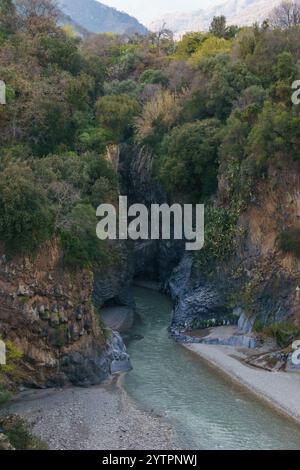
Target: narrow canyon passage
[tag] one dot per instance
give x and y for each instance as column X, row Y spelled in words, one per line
column 207, row 411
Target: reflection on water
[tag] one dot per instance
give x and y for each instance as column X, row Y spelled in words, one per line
column 207, row 411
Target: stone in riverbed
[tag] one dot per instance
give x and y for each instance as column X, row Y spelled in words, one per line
column 120, row 359
column 120, row 366
column 245, row 324
column 291, row 367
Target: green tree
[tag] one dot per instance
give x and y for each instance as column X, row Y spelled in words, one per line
column 128, row 87
column 188, row 162
column 234, row 183
column 286, row 66
column 116, row 113
column 59, row 49
column 25, row 219
column 154, row 77
column 82, row 248
column 8, row 18
column 95, row 139
column 188, row 45
column 211, row 47
column 275, row 137
column 218, row 26
column 217, row 85
column 231, row 31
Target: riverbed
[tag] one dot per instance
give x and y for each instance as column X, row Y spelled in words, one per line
column 95, row 418
column 171, row 400
column 205, row 409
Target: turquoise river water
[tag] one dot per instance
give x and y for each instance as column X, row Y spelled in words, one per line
column 206, row 410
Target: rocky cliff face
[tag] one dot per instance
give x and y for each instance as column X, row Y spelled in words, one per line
column 47, row 313
column 272, row 275
column 195, row 298
column 260, row 282
column 152, row 259
column 113, row 285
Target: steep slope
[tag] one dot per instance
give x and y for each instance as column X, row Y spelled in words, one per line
column 47, row 312
column 98, row 18
column 67, row 20
column 259, row 283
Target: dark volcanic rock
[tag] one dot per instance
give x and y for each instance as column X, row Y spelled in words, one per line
column 152, row 259
column 195, row 299
column 120, row 362
column 202, row 303
column 92, row 368
column 114, row 286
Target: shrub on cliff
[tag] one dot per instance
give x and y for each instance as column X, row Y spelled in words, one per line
column 81, row 247
column 275, row 137
column 159, row 114
column 220, row 235
column 289, row 241
column 25, row 217
column 283, row 333
column 189, row 158
column 95, row 139
column 11, row 373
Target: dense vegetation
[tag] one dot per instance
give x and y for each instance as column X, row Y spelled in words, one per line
column 11, row 372
column 213, row 104
column 18, row 433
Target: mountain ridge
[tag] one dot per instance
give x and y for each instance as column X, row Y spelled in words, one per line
column 239, row 12
column 96, row 17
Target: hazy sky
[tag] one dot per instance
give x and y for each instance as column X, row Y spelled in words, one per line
column 146, row 10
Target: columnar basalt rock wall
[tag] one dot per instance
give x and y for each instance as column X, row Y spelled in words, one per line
column 48, row 314
column 259, row 281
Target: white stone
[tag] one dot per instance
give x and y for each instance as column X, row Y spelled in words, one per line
column 2, row 92
column 2, row 353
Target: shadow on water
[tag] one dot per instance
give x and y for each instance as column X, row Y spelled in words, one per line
column 206, row 410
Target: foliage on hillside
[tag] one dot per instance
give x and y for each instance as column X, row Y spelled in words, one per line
column 11, row 373
column 214, row 105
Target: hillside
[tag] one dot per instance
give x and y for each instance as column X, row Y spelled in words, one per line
column 239, row 12
column 98, row 18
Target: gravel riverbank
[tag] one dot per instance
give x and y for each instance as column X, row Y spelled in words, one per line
column 97, row 418
column 279, row 389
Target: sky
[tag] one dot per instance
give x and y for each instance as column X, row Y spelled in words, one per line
column 146, row 10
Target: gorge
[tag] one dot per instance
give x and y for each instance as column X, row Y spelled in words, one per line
column 205, row 410
column 206, row 120
column 196, row 406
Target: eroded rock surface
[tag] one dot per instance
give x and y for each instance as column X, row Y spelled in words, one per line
column 47, row 312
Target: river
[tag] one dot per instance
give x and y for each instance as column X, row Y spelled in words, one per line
column 206, row 410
